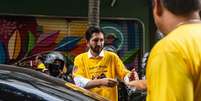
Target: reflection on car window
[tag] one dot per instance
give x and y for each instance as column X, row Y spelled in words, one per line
column 14, row 92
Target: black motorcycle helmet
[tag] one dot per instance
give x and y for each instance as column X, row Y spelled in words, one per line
column 55, row 62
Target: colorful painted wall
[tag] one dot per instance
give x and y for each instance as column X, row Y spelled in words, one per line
column 23, row 37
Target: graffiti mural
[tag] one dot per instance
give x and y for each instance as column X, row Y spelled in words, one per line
column 127, row 40
column 12, row 31
column 23, row 37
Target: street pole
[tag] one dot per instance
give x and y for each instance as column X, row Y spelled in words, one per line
column 94, row 13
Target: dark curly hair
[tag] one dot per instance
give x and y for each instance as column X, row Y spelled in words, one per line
column 90, row 31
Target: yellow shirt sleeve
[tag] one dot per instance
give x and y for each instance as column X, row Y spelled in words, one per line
column 78, row 69
column 120, row 68
column 167, row 78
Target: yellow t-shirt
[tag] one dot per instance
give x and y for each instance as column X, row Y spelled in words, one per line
column 174, row 66
column 109, row 66
column 41, row 67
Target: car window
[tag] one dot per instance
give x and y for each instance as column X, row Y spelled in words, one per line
column 15, row 93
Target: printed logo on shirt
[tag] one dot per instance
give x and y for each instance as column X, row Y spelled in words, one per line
column 101, row 76
column 94, row 67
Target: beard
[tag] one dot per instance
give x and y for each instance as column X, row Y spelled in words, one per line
column 96, row 49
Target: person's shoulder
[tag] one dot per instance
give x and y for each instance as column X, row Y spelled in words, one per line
column 171, row 42
column 81, row 55
column 164, row 45
column 183, row 35
column 179, row 39
column 109, row 53
column 185, row 31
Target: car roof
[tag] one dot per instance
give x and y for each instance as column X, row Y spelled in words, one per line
column 39, row 79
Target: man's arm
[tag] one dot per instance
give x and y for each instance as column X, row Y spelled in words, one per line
column 108, row 82
column 88, row 84
column 138, row 84
column 120, row 70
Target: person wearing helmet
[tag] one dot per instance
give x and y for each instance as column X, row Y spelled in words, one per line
column 56, row 64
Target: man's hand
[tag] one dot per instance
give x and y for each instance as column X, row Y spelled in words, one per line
column 108, row 82
column 133, row 75
column 138, row 84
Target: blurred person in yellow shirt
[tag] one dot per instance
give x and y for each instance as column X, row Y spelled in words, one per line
column 174, row 65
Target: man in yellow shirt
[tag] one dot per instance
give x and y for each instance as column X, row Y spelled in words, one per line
column 174, row 64
column 97, row 69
